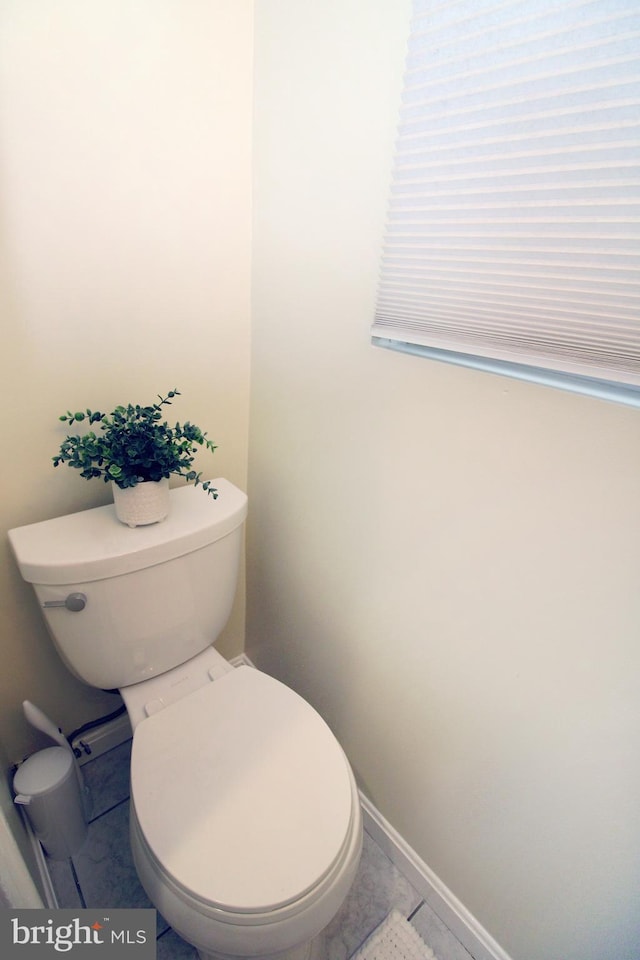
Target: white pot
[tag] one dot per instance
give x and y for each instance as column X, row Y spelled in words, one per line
column 147, row 502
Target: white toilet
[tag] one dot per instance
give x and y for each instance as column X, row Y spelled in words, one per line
column 246, row 828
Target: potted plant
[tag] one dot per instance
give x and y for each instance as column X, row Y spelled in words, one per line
column 137, row 451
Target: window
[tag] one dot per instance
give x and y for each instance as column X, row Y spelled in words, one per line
column 513, row 234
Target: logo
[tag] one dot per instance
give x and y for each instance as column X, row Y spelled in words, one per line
column 81, row 934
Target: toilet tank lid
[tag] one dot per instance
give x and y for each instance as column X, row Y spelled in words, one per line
column 94, row 545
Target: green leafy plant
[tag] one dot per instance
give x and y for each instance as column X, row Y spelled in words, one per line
column 134, row 444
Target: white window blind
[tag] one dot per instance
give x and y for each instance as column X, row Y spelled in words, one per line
column 513, row 232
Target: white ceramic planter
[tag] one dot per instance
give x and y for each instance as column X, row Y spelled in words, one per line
column 145, row 503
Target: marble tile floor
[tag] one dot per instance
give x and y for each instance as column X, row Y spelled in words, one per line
column 102, row 875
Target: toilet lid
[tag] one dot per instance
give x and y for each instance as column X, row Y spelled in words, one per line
column 242, row 792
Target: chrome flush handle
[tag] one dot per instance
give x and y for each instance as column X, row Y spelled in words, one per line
column 75, row 602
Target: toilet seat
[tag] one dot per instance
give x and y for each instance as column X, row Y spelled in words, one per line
column 243, row 796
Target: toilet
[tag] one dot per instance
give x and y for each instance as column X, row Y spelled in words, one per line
column 245, row 820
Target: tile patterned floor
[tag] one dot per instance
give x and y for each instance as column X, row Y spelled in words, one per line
column 102, row 875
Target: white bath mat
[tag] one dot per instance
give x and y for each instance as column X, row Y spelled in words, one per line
column 394, row 939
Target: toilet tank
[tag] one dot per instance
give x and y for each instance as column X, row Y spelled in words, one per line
column 155, row 595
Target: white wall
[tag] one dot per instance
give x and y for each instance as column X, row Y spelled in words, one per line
column 18, row 866
column 125, row 199
column 444, row 562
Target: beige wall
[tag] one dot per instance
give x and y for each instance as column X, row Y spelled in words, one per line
column 124, row 264
column 444, row 562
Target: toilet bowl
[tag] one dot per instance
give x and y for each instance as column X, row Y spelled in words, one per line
column 245, row 820
column 246, row 840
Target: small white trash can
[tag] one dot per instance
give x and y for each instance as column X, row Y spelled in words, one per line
column 47, row 786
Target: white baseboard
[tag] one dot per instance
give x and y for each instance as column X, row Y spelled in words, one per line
column 433, row 891
column 241, row 660
column 95, row 742
column 463, row 925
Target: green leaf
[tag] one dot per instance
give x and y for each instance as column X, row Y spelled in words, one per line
column 132, row 444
